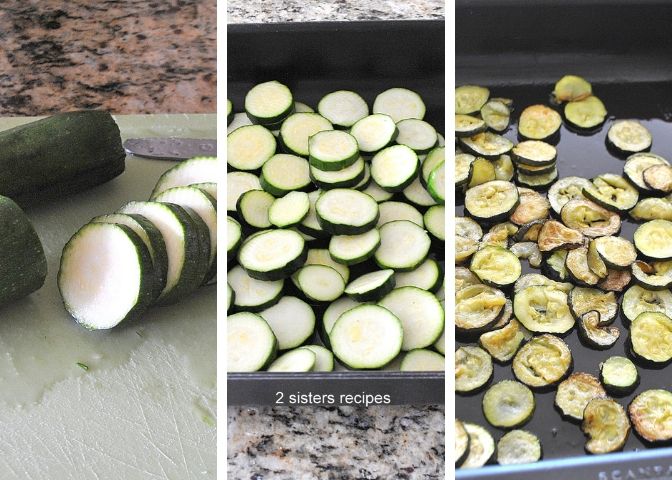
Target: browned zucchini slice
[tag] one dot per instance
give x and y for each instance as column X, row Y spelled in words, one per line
column 575, row 392
column 481, row 446
column 578, row 269
column 477, row 307
column 534, row 279
column 528, row 251
column 583, row 300
column 487, row 145
column 473, row 368
column 518, row 447
column 651, row 337
column 595, row 262
column 636, row 164
column 629, row 136
column 554, row 265
column 543, row 309
column 470, row 99
column 529, row 232
column 461, row 442
column 652, row 209
column 464, row 278
column 554, row 235
column 463, row 163
column 538, row 122
column 537, row 181
column 615, row 281
column 616, row 252
column 496, row 266
column 613, row 192
column 534, row 153
column 592, row 331
column 651, row 415
column 508, row 404
column 654, row 275
column 502, row 344
column 637, row 300
column 566, row 189
column 468, row 234
column 468, row 125
column 619, row 375
column 535, row 169
column 482, row 171
column 499, row 234
column 533, row 206
column 491, row 201
column 589, row 218
column 585, row 114
column 543, row 361
column 503, row 168
column 606, row 425
column 571, row 88
column 653, row 239
column 496, row 115
column 505, row 316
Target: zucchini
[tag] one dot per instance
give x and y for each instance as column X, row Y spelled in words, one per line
column 468, row 125
column 249, row 147
column 615, row 281
column 487, row 145
column 651, row 337
column 428, row 276
column 461, row 442
column 529, row 232
column 658, row 178
column 292, row 321
column 253, row 295
column 653, row 239
column 478, row 307
column 433, row 159
column 534, row 153
column 508, row 404
column 375, row 132
column 197, row 170
column 468, row 234
column 289, row 210
column 566, row 189
column 606, row 425
column 533, row 206
column 543, row 361
column 238, row 183
column 585, row 114
column 637, row 300
column 650, row 412
column 320, row 283
column 463, row 168
column 571, row 88
column 595, row 262
column 298, row 360
column 555, row 236
column 343, row 108
column 534, row 279
column 435, row 222
column 399, row 104
column 272, row 254
column 403, row 246
column 253, row 207
column 654, row 275
column 590, row 219
column 554, row 265
column 628, row 136
column 470, row 99
column 269, row 103
column 496, row 266
column 593, row 331
column 354, row 249
column 416, row 134
column 504, row 168
column 392, row 210
column 436, row 185
column 480, row 172
column 575, row 392
column 310, row 224
column 637, row 163
column 394, row 168
column 422, row 360
column 619, row 375
column 481, row 446
column 349, row 177
column 536, row 181
column 414, row 193
column 234, row 237
column 491, row 201
column 616, row 252
column 319, row 256
column 346, row 212
column 583, row 300
column 543, row 308
column 332, row 150
column 229, row 112
column 652, row 209
column 539, row 122
column 579, row 269
column 297, row 129
column 324, row 359
column 503, row 343
column 371, row 286
column 473, row 369
column 334, row 311
column 239, row 120
column 496, row 115
column 251, row 345
column 284, row 173
column 518, row 447
column 420, row 313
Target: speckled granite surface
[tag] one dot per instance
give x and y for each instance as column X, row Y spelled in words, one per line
column 264, row 11
column 336, row 443
column 126, row 56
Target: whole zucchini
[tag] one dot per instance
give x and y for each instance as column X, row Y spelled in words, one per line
column 59, row 155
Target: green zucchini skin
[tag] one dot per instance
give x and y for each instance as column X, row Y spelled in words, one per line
column 23, row 264
column 59, row 155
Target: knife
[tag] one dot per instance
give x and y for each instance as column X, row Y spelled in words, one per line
column 170, row 148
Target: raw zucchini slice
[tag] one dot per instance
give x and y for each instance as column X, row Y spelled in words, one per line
column 297, row 129
column 638, row 300
column 615, row 281
column 251, row 294
column 371, row 286
column 366, row 337
column 428, row 276
column 554, row 265
column 324, row 359
column 289, row 210
column 613, row 192
column 504, row 168
column 539, row 122
column 392, row 210
column 650, row 414
column 503, row 343
column 571, row 88
column 496, row 115
column 461, row 442
column 251, row 345
column 463, row 167
column 436, row 185
column 533, row 206
column 249, row 147
column 619, row 375
column 433, row 159
column 208, row 187
column 403, row 246
column 477, row 307
column 637, row 163
column 606, row 425
column 195, row 170
column 491, row 201
column 586, row 113
column 534, row 153
column 238, row 183
column 394, row 168
column 298, row 360
column 374, row 132
column 658, row 178
column 589, row 218
column 473, row 368
column 543, row 308
column 106, row 276
column 399, row 104
column 229, row 111
column 651, row 337
column 518, row 447
column 343, row 108
column 272, row 254
column 496, row 266
column 468, row 234
column 310, row 224
column 239, row 120
column 629, row 136
column 653, row 239
column 422, row 360
column 300, row 107
column 593, row 332
column 332, row 150
column 480, row 172
column 320, row 283
column 616, row 252
column 320, row 256
column 344, row 211
column 654, row 275
column 470, row 99
column 578, row 268
column 435, row 222
column 440, row 344
column 353, row 249
column 481, row 446
column 583, row 300
column 652, row 209
column 543, row 361
column 566, row 189
column 269, row 103
column 508, row 404
column 487, row 145
column 414, row 193
column 417, row 135
column 283, row 173
column 575, row 392
column 349, row 177
column 292, row 321
column 554, row 235
column 366, row 179
column 233, row 239
column 335, row 310
column 420, row 313
column 253, row 207
column 468, row 126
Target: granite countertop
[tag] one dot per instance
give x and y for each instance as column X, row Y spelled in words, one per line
column 246, row 11
column 125, row 56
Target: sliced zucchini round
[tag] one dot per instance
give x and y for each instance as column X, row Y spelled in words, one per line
column 468, row 125
column 487, row 145
column 292, row 321
column 253, row 207
column 593, row 331
column 629, row 136
column 481, row 171
column 637, row 163
column 496, row 266
column 658, row 178
column 571, row 88
column 651, row 337
column 554, row 236
column 503, row 168
column 416, row 134
column 283, row 173
column 249, row 147
column 238, row 183
column 374, row 132
column 616, row 252
column 332, row 150
column 619, row 375
column 533, row 170
column 436, row 185
column 575, row 392
column 505, row 316
column 233, row 238
column 428, row 276
column 508, row 404
column 653, row 239
column 393, row 210
column 297, row 129
column 528, row 251
column 344, row 211
column 477, row 307
column 518, row 447
column 651, row 413
column 637, row 300
column 461, row 442
column 371, row 286
column 400, row 104
column 536, row 181
column 534, row 153
column 492, row 201
column 354, row 249
column 320, row 256
column 496, row 115
column 543, row 308
column 566, row 189
column 324, row 359
column 435, row 222
column 613, row 192
column 423, row 360
column 543, row 361
column 595, row 262
column 343, row 108
column 320, row 283
column 535, row 279
column 394, row 168
column 289, row 210
column 470, row 99
column 463, row 170
column 251, row 344
column 272, row 254
column 433, row 159
column 533, row 206
column 253, row 295
column 606, row 425
column 481, row 446
column 615, row 281
column 578, row 268
column 403, row 246
column 269, row 102
column 539, row 122
column 503, row 343
column 468, row 234
column 652, row 209
column 348, row 177
column 554, row 265
column 464, row 278
column 473, row 368
column 585, row 114
column 334, row 310
column 420, row 313
column 590, row 219
column 654, row 275
column 298, row 360
column 583, row 300
column 499, row 234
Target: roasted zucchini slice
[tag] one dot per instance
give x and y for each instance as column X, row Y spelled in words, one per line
column 539, row 122
column 571, row 88
column 615, row 281
column 637, row 300
column 566, row 189
column 468, row 234
column 477, row 307
column 470, row 99
column 619, row 375
column 534, row 153
column 481, row 446
column 482, row 171
column 496, row 115
column 503, row 168
column 532, row 170
column 499, row 235
column 651, row 415
column 595, row 262
column 592, row 331
column 585, row 114
column 468, row 125
column 473, row 368
column 583, row 300
column 491, row 201
column 464, row 278
column 629, row 136
column 508, row 404
column 636, row 164
column 606, row 425
column 554, row 235
column 654, row 275
column 658, row 178
column 589, row 218
column 535, row 279
column 496, row 266
column 533, row 206
column 652, row 209
column 651, row 337
column 554, row 265
column 653, row 239
column 518, row 447
column 616, row 252
column 463, row 163
column 578, row 268
column 461, row 443
column 504, row 317
column 543, row 361
column 536, row 181
column 575, row 392
column 543, row 308
column 503, row 343
column 528, row 251
column 529, row 232
column 613, row 192
column 487, row 145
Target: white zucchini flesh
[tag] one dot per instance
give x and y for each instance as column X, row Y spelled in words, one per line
column 378, row 194
column 194, row 170
column 324, row 359
column 299, row 127
column 391, row 210
column 289, row 210
column 367, row 336
column 300, row 107
column 320, row 283
column 238, row 183
column 368, row 281
column 435, row 221
column 299, row 360
column 440, row 344
column 239, row 120
column 351, row 249
column 268, row 100
column 425, row 276
column 416, row 134
column 374, row 132
column 393, row 167
column 403, row 247
column 208, row 187
column 400, row 104
column 250, row 292
column 286, row 172
column 343, row 206
column 420, row 313
column 321, row 256
column 335, row 310
column 418, row 195
column 250, row 342
column 335, row 176
column 292, row 321
column 332, row 146
column 248, row 148
column 422, row 360
column 343, row 108
column 271, row 250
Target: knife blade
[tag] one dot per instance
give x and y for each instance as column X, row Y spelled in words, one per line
column 170, row 148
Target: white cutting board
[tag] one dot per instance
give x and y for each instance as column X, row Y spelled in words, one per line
column 146, row 406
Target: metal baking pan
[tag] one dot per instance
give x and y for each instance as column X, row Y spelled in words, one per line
column 314, row 59
column 519, row 49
